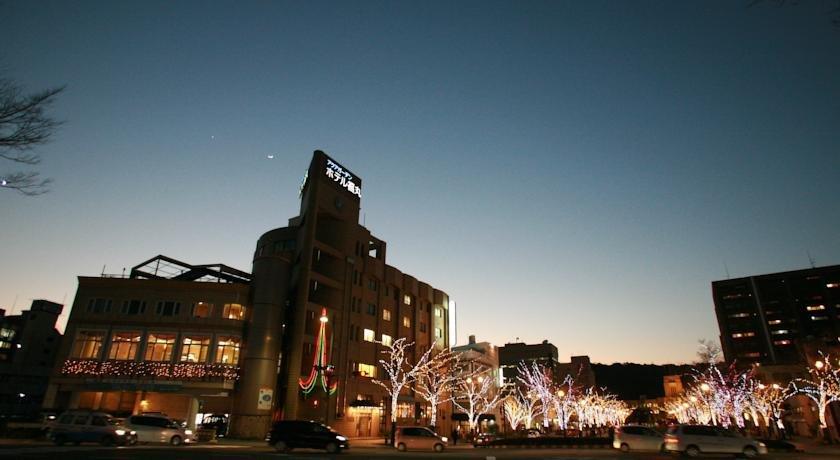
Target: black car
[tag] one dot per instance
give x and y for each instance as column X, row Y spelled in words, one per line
column 291, row 434
column 217, row 422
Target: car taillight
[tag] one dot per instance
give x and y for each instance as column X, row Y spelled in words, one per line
column 671, row 439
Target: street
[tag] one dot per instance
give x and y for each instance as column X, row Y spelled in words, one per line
column 233, row 451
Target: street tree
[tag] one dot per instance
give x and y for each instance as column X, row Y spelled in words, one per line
column 475, row 393
column 401, row 372
column 436, row 380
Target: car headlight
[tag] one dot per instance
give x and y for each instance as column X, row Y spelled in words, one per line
column 133, row 432
column 761, row 444
column 120, row 432
column 341, row 438
column 444, row 439
column 188, row 432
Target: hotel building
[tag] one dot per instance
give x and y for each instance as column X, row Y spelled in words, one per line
column 300, row 337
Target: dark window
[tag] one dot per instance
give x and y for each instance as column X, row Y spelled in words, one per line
column 99, row 306
column 134, row 307
column 371, row 309
column 168, row 308
column 80, row 420
column 99, row 420
column 422, row 327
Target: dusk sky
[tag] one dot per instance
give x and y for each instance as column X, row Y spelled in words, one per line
column 572, row 171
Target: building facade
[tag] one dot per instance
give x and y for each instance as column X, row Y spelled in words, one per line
column 300, row 337
column 480, row 357
column 29, row 344
column 779, row 318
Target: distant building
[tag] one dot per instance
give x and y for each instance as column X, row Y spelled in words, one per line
column 545, row 353
column 779, row 318
column 298, row 338
column 28, row 346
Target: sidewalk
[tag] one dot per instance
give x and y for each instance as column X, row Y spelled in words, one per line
column 815, row 446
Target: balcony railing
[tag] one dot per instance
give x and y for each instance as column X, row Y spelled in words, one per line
column 149, row 370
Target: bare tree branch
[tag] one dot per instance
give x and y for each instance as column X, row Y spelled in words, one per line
column 24, row 125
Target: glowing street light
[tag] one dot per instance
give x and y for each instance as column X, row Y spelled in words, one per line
column 324, row 319
column 819, row 364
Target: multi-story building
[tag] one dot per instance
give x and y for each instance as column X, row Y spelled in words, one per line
column 511, row 354
column 779, row 318
column 299, row 337
column 28, row 346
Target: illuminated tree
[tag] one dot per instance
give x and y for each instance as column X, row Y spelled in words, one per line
column 400, row 371
column 436, row 380
column 767, row 400
column 537, row 379
column 520, row 406
column 823, row 388
column 563, row 401
column 475, row 393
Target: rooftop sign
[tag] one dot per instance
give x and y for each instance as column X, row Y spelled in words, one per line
column 338, row 174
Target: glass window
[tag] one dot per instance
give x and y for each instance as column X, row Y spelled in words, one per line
column 422, row 327
column 134, row 307
column 227, row 350
column 88, row 345
column 202, row 310
column 124, row 345
column 386, row 340
column 407, row 299
column 159, row 346
column 99, row 420
column 99, row 306
column 439, row 312
column 168, row 308
column 233, row 311
column 371, row 309
column 80, row 420
column 194, row 348
column 367, row 370
column 438, row 333
column 369, row 336
column 386, row 314
column 406, row 321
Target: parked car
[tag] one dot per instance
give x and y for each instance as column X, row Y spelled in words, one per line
column 157, row 428
column 532, row 433
column 218, row 422
column 483, row 439
column 692, row 440
column 291, row 434
column 419, row 437
column 87, row 426
column 636, row 438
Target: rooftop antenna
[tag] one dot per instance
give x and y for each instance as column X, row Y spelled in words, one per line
column 725, row 267
column 811, row 259
column 103, row 271
column 14, row 304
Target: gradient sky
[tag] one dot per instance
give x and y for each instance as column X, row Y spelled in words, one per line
column 577, row 172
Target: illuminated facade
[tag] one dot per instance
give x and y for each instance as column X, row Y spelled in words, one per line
column 299, row 337
column 779, row 318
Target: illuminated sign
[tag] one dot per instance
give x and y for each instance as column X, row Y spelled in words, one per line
column 340, row 175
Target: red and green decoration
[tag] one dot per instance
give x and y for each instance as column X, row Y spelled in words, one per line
column 321, row 369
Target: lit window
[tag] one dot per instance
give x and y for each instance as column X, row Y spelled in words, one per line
column 438, row 333
column 740, row 315
column 832, row 285
column 159, row 347
column 781, row 342
column 88, row 345
column 739, row 335
column 194, row 348
column 386, row 314
column 407, row 299
column 439, row 312
column 369, row 335
column 774, row 321
column 202, row 310
column 124, row 345
column 233, row 311
column 779, row 332
column 386, row 340
column 406, row 321
column 367, row 370
column 227, row 350
column 815, row 307
column 819, row 318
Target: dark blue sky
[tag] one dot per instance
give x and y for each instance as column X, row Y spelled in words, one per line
column 578, row 172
